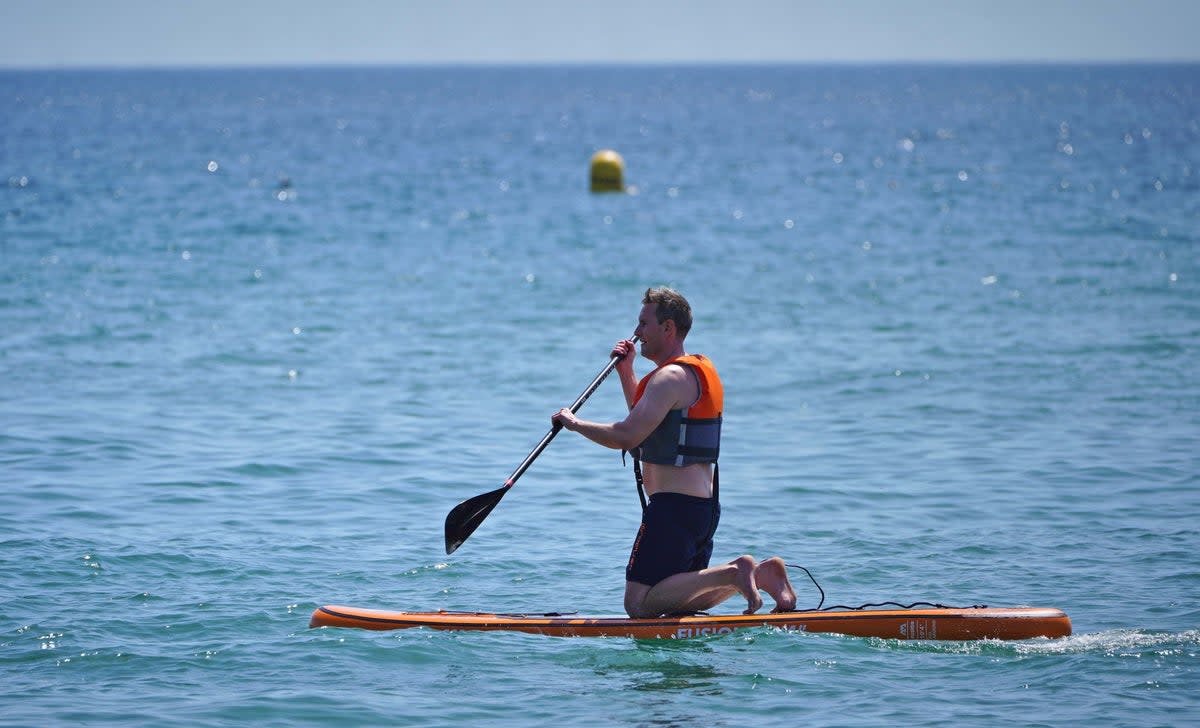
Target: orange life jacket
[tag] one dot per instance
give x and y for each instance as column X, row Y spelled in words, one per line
column 689, row 435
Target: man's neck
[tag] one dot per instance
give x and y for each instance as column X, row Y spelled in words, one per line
column 675, row 352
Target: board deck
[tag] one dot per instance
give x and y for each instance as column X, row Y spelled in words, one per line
column 972, row 623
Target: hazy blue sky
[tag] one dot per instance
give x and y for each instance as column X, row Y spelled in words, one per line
column 55, row 33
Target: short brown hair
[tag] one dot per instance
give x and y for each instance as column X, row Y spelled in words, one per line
column 670, row 304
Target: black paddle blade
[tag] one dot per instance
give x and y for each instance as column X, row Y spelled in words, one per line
column 466, row 517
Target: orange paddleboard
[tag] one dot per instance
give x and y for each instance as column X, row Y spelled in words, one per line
column 973, row 623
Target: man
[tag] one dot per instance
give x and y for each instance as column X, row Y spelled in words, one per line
column 674, row 428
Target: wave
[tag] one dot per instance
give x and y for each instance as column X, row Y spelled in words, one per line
column 1118, row 643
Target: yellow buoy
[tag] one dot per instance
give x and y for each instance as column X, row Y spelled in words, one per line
column 608, row 171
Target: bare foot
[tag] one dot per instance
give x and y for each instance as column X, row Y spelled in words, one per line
column 771, row 576
column 745, row 583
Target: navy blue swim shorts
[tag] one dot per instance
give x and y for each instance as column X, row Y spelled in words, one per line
column 676, row 536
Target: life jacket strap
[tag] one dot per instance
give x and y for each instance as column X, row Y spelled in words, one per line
column 637, row 475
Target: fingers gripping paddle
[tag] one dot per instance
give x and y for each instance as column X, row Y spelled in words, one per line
column 466, row 516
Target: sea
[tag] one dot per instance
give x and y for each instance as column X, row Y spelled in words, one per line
column 261, row 329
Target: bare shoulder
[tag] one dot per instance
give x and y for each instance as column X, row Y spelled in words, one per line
column 675, row 383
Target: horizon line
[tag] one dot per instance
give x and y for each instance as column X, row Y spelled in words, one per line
column 527, row 64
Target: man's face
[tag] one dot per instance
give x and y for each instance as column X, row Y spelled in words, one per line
column 650, row 331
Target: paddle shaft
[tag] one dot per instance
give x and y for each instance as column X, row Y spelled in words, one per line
column 554, row 430
column 464, row 518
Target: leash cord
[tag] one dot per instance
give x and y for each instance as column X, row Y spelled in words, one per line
column 842, row 607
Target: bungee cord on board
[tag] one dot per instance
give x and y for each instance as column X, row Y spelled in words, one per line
column 898, row 605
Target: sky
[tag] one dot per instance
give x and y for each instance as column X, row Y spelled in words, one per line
column 174, row 33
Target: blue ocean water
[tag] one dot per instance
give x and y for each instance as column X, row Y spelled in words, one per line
column 261, row 330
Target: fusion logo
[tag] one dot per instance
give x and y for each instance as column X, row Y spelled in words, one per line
column 685, row 632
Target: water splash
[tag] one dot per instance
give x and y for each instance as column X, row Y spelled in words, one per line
column 1118, row 643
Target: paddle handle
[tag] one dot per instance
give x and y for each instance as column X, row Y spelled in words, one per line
column 612, row 364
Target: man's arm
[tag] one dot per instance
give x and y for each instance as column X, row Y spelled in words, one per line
column 628, row 352
column 669, row 386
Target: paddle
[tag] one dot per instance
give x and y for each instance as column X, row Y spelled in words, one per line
column 466, row 516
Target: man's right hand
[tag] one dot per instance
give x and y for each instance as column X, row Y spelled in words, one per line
column 627, row 351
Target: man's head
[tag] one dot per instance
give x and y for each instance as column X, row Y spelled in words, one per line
column 670, row 305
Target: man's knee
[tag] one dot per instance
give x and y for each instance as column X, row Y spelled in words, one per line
column 635, row 600
column 640, row 612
